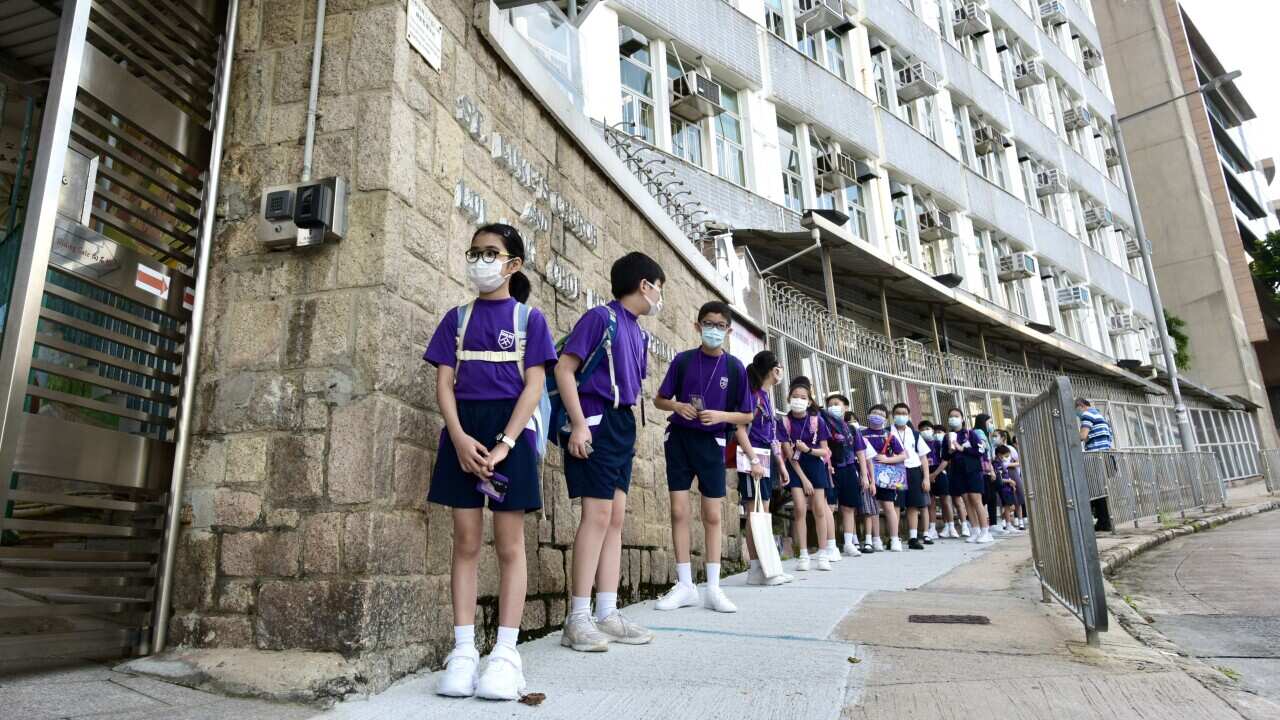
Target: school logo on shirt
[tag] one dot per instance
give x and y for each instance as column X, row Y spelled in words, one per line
column 506, row 339
column 724, row 383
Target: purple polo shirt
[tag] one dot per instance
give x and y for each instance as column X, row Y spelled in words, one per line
column 630, row 362
column 763, row 430
column 707, row 376
column 935, row 452
column 491, row 327
column 798, row 429
column 876, row 444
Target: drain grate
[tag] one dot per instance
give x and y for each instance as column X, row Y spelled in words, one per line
column 950, row 619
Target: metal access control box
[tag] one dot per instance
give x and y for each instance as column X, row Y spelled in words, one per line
column 303, row 214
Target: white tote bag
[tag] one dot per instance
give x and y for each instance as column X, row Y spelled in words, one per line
column 762, row 531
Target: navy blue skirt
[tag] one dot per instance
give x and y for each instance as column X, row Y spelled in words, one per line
column 815, row 469
column 484, row 420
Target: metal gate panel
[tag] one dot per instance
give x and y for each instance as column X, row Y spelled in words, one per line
column 102, row 316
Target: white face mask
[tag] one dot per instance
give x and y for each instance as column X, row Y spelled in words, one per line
column 485, row 276
column 927, row 435
column 798, row 405
column 836, row 410
column 655, row 306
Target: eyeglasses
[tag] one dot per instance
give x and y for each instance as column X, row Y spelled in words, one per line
column 489, row 255
column 708, row 325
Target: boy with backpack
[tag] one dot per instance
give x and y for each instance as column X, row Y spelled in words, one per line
column 598, row 382
column 706, row 391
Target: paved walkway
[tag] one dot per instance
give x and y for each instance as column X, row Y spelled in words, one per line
column 1217, row 596
column 779, row 656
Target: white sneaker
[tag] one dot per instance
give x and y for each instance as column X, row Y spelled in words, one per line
column 972, row 537
column 823, row 563
column 851, row 550
column 756, row 576
column 877, row 544
column 620, row 629
column 786, row 578
column 503, row 677
column 895, row 545
column 966, row 530
column 946, row 532
column 715, row 599
column 581, row 634
column 931, row 533
column 460, row 672
column 833, row 555
column 802, row 564
column 985, row 538
column 680, row 595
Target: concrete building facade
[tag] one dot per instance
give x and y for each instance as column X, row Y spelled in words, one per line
column 1199, row 189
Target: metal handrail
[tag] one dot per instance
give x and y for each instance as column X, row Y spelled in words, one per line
column 1139, row 485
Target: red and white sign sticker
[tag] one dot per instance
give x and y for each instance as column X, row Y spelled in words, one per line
column 152, row 281
column 188, row 299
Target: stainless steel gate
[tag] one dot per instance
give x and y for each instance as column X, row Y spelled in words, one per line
column 97, row 362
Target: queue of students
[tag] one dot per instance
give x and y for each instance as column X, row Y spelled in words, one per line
column 492, row 358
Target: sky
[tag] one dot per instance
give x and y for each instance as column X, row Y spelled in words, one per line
column 1242, row 34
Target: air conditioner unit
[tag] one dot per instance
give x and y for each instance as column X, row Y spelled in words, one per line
column 971, row 19
column 1075, row 297
column 630, row 41
column 1050, row 182
column 897, row 189
column 1018, row 266
column 1122, row 324
column 1155, row 346
column 1092, row 58
column 1077, row 117
column 935, row 225
column 1027, row 74
column 1096, row 217
column 1053, row 12
column 1132, row 248
column 987, row 140
column 1112, row 156
column 694, row 96
column 1002, row 40
column 918, row 80
column 815, row 15
column 837, row 170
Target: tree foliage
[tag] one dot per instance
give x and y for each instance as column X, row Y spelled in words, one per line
column 1177, row 328
column 1266, row 263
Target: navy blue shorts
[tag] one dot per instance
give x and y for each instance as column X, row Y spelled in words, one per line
column 848, row 484
column 483, row 420
column 608, row 467
column 1008, row 495
column 890, row 495
column 767, row 484
column 693, row 453
column 940, row 485
column 915, row 496
column 815, row 470
column 966, row 475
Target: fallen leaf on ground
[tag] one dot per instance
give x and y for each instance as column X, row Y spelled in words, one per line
column 532, row 699
column 853, row 660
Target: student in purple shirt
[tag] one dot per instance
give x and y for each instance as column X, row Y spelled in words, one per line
column 705, row 390
column 806, row 446
column 601, row 446
column 765, row 433
column 964, row 450
column 849, row 468
column 885, row 449
column 491, row 357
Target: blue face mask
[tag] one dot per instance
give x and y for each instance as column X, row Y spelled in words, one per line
column 1079, row 413
column 901, row 420
column 713, row 337
column 954, row 423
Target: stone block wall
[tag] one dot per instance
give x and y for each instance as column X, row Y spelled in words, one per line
column 316, row 423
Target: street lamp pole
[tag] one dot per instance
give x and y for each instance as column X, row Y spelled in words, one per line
column 1166, row 347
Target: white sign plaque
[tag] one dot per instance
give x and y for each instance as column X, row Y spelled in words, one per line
column 425, row 33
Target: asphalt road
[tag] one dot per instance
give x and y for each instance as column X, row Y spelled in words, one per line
column 1217, row 595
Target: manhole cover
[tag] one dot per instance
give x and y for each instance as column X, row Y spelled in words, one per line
column 950, row 619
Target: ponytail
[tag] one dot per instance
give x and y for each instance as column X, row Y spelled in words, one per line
column 520, row 287
column 761, row 365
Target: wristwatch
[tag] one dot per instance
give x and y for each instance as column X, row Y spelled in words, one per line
column 509, row 442
column 754, row 460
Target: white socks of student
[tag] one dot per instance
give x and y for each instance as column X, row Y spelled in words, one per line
column 580, row 606
column 464, row 636
column 507, row 636
column 849, row 538
column 684, row 573
column 606, row 603
column 713, row 575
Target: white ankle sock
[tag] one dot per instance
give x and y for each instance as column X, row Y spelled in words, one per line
column 684, row 573
column 464, row 635
column 508, row 636
column 911, row 534
column 804, row 553
column 848, row 538
column 868, row 542
column 755, row 565
column 580, row 605
column 831, row 545
column 606, row 603
column 713, row 575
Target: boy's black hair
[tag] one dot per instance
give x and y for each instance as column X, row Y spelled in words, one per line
column 840, row 397
column 1084, row 402
column 632, row 269
column 924, row 424
column 878, row 406
column 717, row 308
column 902, row 405
column 1002, row 450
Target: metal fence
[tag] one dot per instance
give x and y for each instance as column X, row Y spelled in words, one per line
column 1142, row 485
column 1271, row 469
column 1063, row 543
